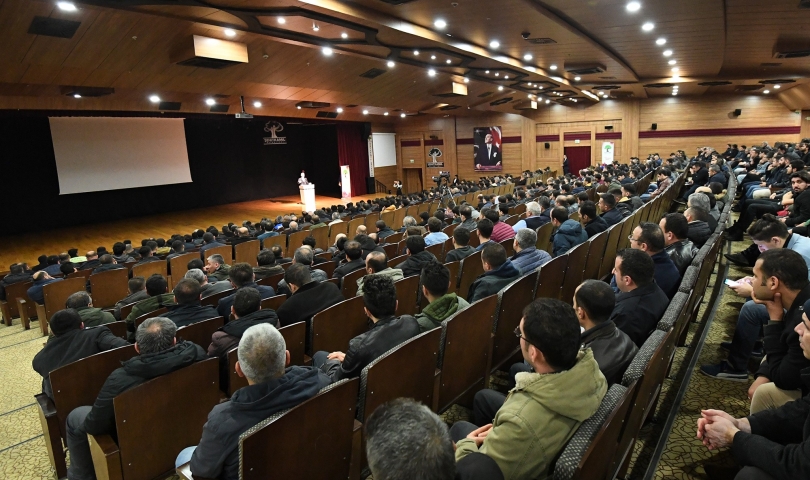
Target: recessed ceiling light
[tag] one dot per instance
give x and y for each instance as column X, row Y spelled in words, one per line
column 552, row 67
column 390, row 63
column 344, row 35
column 365, row 112
column 500, row 87
column 661, row 41
column 433, row 57
column 548, row 101
column 674, row 94
column 494, row 44
column 326, row 51
column 540, row 88
column 257, row 104
column 432, row 72
column 506, row 77
column 647, row 27
column 298, row 107
column 576, row 79
column 672, row 62
column 229, row 32
column 777, row 87
column 487, row 71
column 315, row 27
column 154, row 99
column 497, row 74
column 210, row 101
column 667, row 53
column 449, row 61
column 766, row 91
column 76, row 95
column 530, row 95
column 281, row 20
column 528, row 56
column 633, row 6
column 439, row 23
column 66, row 6
column 466, row 80
column 416, row 52
column 402, row 115
column 386, row 114
column 675, row 69
column 339, row 110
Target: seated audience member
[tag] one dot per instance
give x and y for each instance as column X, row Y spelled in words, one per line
column 267, row 265
column 592, row 222
column 410, row 222
column 42, row 263
column 278, row 251
column 461, row 248
column 147, row 255
column 241, row 276
column 54, row 262
column 500, row 230
column 780, row 284
column 436, row 235
column 664, row 181
column 337, row 249
column 16, row 274
column 209, row 241
column 679, row 248
column 159, row 354
column 629, row 201
column 527, row 257
column 217, row 268
column 91, row 316
column 649, row 238
column 242, row 236
column 485, row 226
column 178, row 248
column 640, row 302
column 107, row 262
column 92, row 261
column 159, row 296
column 67, row 268
column 569, row 232
column 388, row 331
column 304, row 256
column 41, row 278
column 312, row 244
column 368, row 243
column 188, row 310
column 441, row 305
column 607, row 205
column 770, row 443
column 701, row 201
column 247, row 312
column 119, row 253
column 467, row 220
column 525, row 431
column 71, row 341
column 206, row 288
column 419, row 257
column 383, row 230
column 699, row 231
column 498, row 273
column 137, row 292
column 352, row 260
column 406, row 440
column 377, row 264
column 535, row 220
column 308, row 296
column 273, row 386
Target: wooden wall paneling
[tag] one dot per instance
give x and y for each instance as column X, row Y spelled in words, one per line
column 629, row 128
column 527, row 144
column 805, row 131
column 690, row 113
column 386, row 176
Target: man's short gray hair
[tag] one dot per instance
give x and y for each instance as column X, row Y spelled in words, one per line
column 78, row 300
column 526, row 238
column 407, row 441
column 155, row 335
column 699, row 200
column 196, row 274
column 216, row 258
column 408, row 221
column 262, row 353
column 304, row 255
column 534, row 208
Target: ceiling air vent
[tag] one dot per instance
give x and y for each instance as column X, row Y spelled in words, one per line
column 804, row 4
column 658, row 85
column 500, row 101
column 70, row 91
column 606, row 87
column 777, row 81
column 541, row 41
column 585, row 69
column 607, row 78
column 53, row 27
column 747, row 88
column 622, row 94
column 447, row 95
column 312, row 105
column 220, row 108
column 485, row 94
column 326, row 114
column 714, row 84
column 372, row 73
column 169, row 106
column 449, row 107
column 396, row 2
column 792, row 54
column 351, row 106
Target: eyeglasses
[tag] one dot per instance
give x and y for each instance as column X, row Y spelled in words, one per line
column 520, row 335
column 630, row 237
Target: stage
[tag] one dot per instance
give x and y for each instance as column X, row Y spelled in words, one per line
column 27, row 247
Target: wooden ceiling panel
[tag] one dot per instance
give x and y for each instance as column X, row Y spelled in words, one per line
column 53, row 51
column 15, row 18
column 107, row 31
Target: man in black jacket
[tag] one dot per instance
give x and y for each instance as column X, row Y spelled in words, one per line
column 16, row 275
column 308, row 296
column 700, row 176
column 159, row 354
column 679, row 248
column 607, row 205
column 418, row 258
column 698, row 230
column 187, row 296
column 461, row 247
column 353, row 260
column 498, row 273
column 640, row 302
column 272, row 388
column 71, row 342
column 387, row 331
column 592, row 222
column 241, row 276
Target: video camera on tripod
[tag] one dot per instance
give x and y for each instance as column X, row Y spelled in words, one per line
column 442, row 178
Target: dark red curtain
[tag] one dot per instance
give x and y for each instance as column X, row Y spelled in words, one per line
column 353, row 151
column 579, row 158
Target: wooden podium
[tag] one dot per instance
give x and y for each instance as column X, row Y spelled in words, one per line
column 308, row 197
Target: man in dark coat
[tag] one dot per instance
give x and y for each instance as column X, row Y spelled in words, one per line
column 308, row 298
column 159, row 354
column 640, row 302
column 16, row 274
column 498, row 273
column 649, row 238
column 41, row 279
column 187, row 296
column 247, row 312
column 71, row 342
column 353, row 260
column 699, row 231
column 418, row 258
column 607, row 205
column 593, row 223
column 241, row 276
column 679, row 248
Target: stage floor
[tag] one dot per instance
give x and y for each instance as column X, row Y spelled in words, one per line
column 27, row 247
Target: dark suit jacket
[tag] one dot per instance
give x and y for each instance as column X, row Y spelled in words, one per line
column 348, row 268
column 483, row 158
column 307, row 301
column 225, row 303
column 637, row 312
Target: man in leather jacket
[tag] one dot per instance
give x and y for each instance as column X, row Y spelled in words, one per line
column 679, row 248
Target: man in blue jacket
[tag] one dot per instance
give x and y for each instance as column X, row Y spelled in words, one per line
column 569, row 232
column 498, row 273
column 527, row 257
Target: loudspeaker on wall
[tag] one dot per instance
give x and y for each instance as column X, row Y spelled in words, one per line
column 547, row 145
column 654, row 126
column 737, row 112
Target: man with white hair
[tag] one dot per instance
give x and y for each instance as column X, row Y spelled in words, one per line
column 273, row 386
column 527, row 257
column 701, row 201
column 535, row 220
column 208, row 289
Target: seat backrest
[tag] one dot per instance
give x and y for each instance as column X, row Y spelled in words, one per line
column 274, row 448
column 448, row 230
column 436, row 250
column 271, row 281
column 332, row 328
column 455, row 268
column 689, row 279
column 509, row 246
column 278, row 240
column 178, row 266
column 390, row 249
column 321, row 236
column 213, row 300
column 610, row 250
column 127, row 309
column 388, row 218
column 349, row 282
column 464, row 349
column 148, row 269
column 399, row 215
column 80, row 274
column 407, row 295
column 471, row 268
column 225, row 250
column 108, row 287
column 78, row 383
column 152, row 314
column 594, row 261
column 200, row 332
column 353, row 224
column 511, row 301
column 328, row 267
column 273, row 303
column 407, row 370
column 57, row 293
column 628, row 225
column 512, row 220
column 295, row 337
column 20, row 290
column 151, row 433
column 296, row 239
column 246, row 252
column 371, row 222
column 549, row 281
column 119, row 329
column 574, row 271
column 396, row 261
column 544, row 237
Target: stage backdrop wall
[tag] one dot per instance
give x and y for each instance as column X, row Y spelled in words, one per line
column 228, row 159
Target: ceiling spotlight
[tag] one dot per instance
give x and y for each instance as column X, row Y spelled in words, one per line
column 540, row 88
column 339, row 110
column 528, row 56
column 661, row 41
column 402, row 115
column 326, row 51
column 466, row 80
column 344, row 35
column 674, row 94
column 667, row 53
column 390, row 64
column 315, row 27
column 154, row 99
column 777, row 87
column 494, row 44
column 497, row 74
column 386, row 114
column 675, row 69
column 449, row 61
column 229, row 32
column 432, row 72
column 487, row 71
column 530, row 95
column 416, row 52
column 506, row 77
column 433, row 57
column 548, row 101
column 257, row 104
column 552, row 67
column 633, row 6
column 765, row 91
column 672, row 62
column 281, row 20
column 66, row 6
column 440, row 24
column 647, row 27
column 500, row 87
column 210, row 101
column 576, row 79
column 365, row 112
column 76, row 95
column 298, row 107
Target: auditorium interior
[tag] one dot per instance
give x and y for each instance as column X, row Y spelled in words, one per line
column 142, row 119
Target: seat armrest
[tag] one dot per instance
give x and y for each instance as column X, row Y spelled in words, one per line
column 184, row 472
column 6, row 312
column 45, row 404
column 22, row 308
column 106, row 457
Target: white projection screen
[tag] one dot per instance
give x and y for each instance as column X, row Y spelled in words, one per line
column 385, row 149
column 107, row 153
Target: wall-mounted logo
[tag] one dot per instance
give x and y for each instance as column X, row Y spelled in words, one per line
column 273, row 127
column 435, row 153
